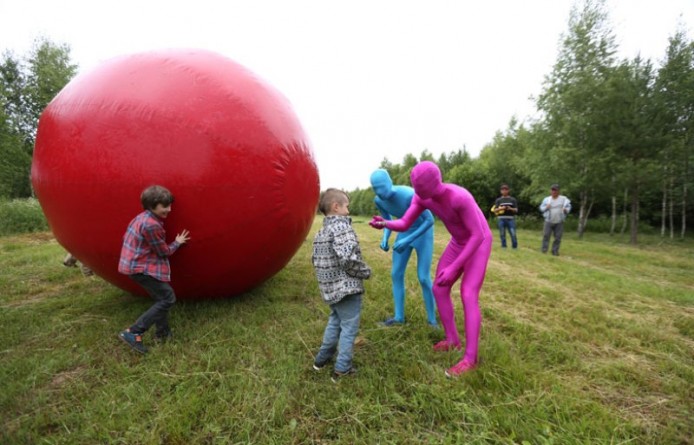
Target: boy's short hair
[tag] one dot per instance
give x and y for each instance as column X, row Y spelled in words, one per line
column 329, row 197
column 156, row 194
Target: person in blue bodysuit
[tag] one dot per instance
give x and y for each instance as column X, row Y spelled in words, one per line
column 394, row 201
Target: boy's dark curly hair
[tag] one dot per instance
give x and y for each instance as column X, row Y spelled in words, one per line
column 156, row 194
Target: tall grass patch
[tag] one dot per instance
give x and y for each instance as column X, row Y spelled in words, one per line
column 21, row 216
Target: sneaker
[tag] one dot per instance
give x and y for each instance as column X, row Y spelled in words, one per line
column 133, row 340
column 318, row 366
column 391, row 322
column 461, row 367
column 443, row 345
column 338, row 375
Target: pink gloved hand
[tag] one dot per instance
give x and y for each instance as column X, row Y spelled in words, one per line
column 377, row 222
column 446, row 277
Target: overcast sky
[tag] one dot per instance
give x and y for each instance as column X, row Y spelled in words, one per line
column 368, row 79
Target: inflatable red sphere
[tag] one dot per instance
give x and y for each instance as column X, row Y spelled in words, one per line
column 227, row 145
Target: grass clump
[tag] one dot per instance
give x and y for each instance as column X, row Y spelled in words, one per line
column 21, row 216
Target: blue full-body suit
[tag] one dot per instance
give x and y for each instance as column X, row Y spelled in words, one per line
column 393, row 201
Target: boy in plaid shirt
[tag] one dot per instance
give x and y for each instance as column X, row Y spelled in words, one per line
column 144, row 258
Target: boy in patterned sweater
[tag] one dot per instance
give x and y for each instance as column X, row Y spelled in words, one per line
column 340, row 271
column 144, row 258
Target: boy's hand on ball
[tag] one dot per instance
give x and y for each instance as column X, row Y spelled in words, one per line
column 183, row 237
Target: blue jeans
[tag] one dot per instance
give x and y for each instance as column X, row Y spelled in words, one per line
column 509, row 224
column 158, row 314
column 340, row 333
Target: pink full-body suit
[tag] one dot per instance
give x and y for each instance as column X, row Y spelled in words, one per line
column 467, row 253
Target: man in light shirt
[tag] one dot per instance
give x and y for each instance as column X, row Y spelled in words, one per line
column 554, row 208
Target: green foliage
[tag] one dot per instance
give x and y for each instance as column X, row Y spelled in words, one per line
column 609, row 132
column 21, row 216
column 593, row 347
column 361, row 202
column 472, row 176
column 674, row 95
column 504, row 161
column 27, row 85
column 30, row 83
column 400, row 173
column 15, row 162
column 573, row 103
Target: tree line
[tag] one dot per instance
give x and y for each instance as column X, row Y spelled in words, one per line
column 617, row 135
column 27, row 85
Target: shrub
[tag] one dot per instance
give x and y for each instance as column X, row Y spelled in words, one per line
column 21, row 216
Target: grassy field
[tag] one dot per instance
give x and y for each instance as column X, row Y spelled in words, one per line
column 593, row 347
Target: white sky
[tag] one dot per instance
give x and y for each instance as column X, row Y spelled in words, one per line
column 368, row 79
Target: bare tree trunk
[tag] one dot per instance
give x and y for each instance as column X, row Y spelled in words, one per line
column 633, row 238
column 625, row 211
column 685, row 180
column 590, row 208
column 663, row 212
column 585, row 207
column 582, row 213
column 672, row 207
column 684, row 209
column 613, row 223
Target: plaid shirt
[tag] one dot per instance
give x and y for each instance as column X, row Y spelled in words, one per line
column 337, row 260
column 144, row 248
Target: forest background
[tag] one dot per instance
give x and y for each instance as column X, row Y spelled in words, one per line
column 616, row 134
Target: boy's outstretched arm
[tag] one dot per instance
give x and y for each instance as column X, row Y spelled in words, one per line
column 155, row 237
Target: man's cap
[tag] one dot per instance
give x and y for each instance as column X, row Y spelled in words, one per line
column 504, row 186
column 555, row 187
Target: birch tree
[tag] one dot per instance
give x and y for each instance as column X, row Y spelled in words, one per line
column 572, row 105
column 675, row 93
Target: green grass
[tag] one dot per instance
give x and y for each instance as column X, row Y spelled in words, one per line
column 592, row 347
column 21, row 216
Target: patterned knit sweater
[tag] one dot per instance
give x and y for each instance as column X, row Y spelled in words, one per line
column 340, row 269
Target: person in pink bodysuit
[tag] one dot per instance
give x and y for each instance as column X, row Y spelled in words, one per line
column 467, row 254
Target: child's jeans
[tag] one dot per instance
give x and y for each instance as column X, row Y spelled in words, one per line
column 341, row 331
column 158, row 314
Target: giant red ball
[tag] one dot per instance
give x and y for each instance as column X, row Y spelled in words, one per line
column 226, row 143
